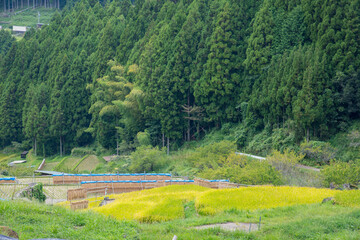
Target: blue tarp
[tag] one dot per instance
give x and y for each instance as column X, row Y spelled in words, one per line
column 179, row 180
column 218, row 180
column 119, row 174
column 8, row 179
column 125, row 181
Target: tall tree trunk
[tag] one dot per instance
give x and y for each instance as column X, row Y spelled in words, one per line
column 117, row 146
column 28, row 3
column 35, row 147
column 307, row 134
column 44, row 153
column 188, row 113
column 198, row 131
column 60, row 147
column 4, row 5
column 168, row 146
column 163, row 140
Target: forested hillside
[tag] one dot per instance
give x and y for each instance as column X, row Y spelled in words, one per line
column 169, row 71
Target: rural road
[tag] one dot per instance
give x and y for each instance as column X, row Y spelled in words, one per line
column 262, row 158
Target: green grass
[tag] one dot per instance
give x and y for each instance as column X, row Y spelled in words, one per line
column 32, row 220
column 28, row 18
column 89, row 164
column 314, row 221
column 79, row 162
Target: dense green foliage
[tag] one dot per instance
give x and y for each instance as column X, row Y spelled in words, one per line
column 128, row 73
column 36, row 192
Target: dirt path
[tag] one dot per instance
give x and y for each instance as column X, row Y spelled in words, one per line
column 231, row 226
column 262, row 158
column 307, row 167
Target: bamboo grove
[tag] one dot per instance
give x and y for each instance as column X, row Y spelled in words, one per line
column 108, row 72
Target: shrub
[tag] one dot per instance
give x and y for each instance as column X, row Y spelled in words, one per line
column 318, row 152
column 285, row 161
column 210, row 156
column 143, row 138
column 36, row 192
column 147, row 158
column 241, row 169
column 341, row 173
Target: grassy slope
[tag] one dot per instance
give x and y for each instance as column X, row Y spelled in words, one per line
column 314, row 221
column 28, row 18
column 317, row 221
column 88, row 164
column 31, row 220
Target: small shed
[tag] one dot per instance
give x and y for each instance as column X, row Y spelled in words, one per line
column 24, row 153
column 19, row 29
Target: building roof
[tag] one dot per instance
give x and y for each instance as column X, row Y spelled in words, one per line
column 50, row 172
column 19, row 28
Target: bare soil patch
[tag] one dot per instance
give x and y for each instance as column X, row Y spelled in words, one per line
column 231, row 226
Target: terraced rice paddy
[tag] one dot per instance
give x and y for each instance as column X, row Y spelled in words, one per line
column 167, row 203
column 88, row 164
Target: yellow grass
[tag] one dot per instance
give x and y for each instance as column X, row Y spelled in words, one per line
column 350, row 198
column 7, row 157
column 166, row 203
column 159, row 204
column 254, row 198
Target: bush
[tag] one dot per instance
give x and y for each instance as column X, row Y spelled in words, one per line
column 143, row 138
column 341, row 172
column 286, row 161
column 318, row 152
column 210, row 156
column 241, row 169
column 35, row 192
column 291, row 174
column 147, row 158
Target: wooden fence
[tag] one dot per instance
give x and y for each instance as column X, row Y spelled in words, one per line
column 216, row 184
column 7, row 180
column 75, row 194
column 78, row 178
column 79, row 205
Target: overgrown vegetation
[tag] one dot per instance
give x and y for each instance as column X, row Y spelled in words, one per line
column 35, row 192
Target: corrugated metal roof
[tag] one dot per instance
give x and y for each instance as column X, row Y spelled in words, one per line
column 50, row 172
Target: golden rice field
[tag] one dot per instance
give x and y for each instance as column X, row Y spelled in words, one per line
column 350, row 198
column 155, row 205
column 167, row 203
column 254, row 198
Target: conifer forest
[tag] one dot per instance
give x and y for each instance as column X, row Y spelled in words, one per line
column 107, row 72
